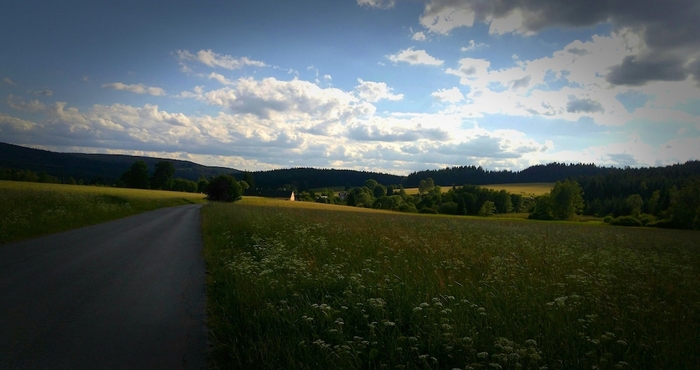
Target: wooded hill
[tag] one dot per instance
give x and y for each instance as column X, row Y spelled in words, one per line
column 601, row 183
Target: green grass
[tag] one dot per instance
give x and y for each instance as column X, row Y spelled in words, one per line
column 524, row 189
column 34, row 209
column 314, row 288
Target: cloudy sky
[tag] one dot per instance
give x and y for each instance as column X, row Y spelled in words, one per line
column 381, row 85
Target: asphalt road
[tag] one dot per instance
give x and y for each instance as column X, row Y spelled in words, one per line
column 126, row 294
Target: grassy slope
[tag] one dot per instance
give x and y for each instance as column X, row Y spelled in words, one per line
column 295, row 285
column 33, row 209
column 525, row 189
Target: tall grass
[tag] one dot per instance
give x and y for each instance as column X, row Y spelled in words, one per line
column 33, row 209
column 300, row 288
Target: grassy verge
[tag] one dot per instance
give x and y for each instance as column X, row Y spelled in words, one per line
column 33, row 209
column 311, row 288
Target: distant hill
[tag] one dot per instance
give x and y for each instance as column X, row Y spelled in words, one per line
column 107, row 168
column 94, row 168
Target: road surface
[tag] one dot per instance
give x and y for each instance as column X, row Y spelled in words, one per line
column 126, row 294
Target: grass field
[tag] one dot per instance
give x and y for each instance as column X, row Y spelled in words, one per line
column 310, row 287
column 33, row 209
column 525, row 189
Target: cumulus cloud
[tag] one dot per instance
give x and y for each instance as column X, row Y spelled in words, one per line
column 19, row 104
column 414, row 57
column 9, row 123
column 668, row 29
column 212, row 59
column 473, row 46
column 419, row 36
column 452, row 95
column 375, row 133
column 136, row 88
column 375, row 91
column 267, row 97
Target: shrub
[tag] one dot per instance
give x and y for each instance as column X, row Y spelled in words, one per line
column 625, row 221
column 224, row 188
column 607, row 219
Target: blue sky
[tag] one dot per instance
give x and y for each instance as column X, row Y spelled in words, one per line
column 380, row 85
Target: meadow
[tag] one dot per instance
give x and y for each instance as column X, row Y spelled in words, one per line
column 529, row 189
column 312, row 287
column 34, row 209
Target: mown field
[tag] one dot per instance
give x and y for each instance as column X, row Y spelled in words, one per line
column 33, row 209
column 316, row 288
column 525, row 189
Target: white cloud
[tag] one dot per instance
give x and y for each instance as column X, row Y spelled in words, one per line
column 212, row 59
column 375, row 91
column 452, row 95
column 15, row 124
column 220, row 78
column 21, row 105
column 45, row 92
column 385, row 4
column 419, row 36
column 414, row 57
column 136, row 88
column 9, row 81
column 473, row 46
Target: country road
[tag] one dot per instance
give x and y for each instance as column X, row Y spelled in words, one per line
column 126, row 294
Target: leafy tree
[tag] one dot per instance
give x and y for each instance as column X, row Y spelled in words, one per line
column 248, row 178
column 370, row 184
column 685, row 206
column 184, row 185
column 566, row 199
column 634, row 203
column 202, row 185
column 136, row 176
column 543, row 208
column 503, row 202
column 379, row 191
column 224, row 188
column 163, row 176
column 487, row 209
column 425, row 185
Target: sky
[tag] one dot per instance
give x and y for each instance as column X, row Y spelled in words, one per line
column 392, row 86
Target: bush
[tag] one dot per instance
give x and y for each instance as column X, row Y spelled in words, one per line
column 607, row 219
column 625, row 221
column 664, row 224
column 646, row 218
column 224, row 188
column 432, row 211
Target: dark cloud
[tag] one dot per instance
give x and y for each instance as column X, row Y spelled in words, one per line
column 636, row 71
column 623, row 159
column 373, row 133
column 480, row 146
column 584, row 106
column 577, row 51
column 521, row 82
column 669, row 28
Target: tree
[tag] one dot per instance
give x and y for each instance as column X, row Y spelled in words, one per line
column 224, row 188
column 543, row 208
column 487, row 209
column 379, row 191
column 163, row 176
column 424, row 186
column 136, row 176
column 248, row 178
column 566, row 199
column 202, row 185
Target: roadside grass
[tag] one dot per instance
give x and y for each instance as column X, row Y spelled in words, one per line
column 34, row 209
column 525, row 189
column 299, row 287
